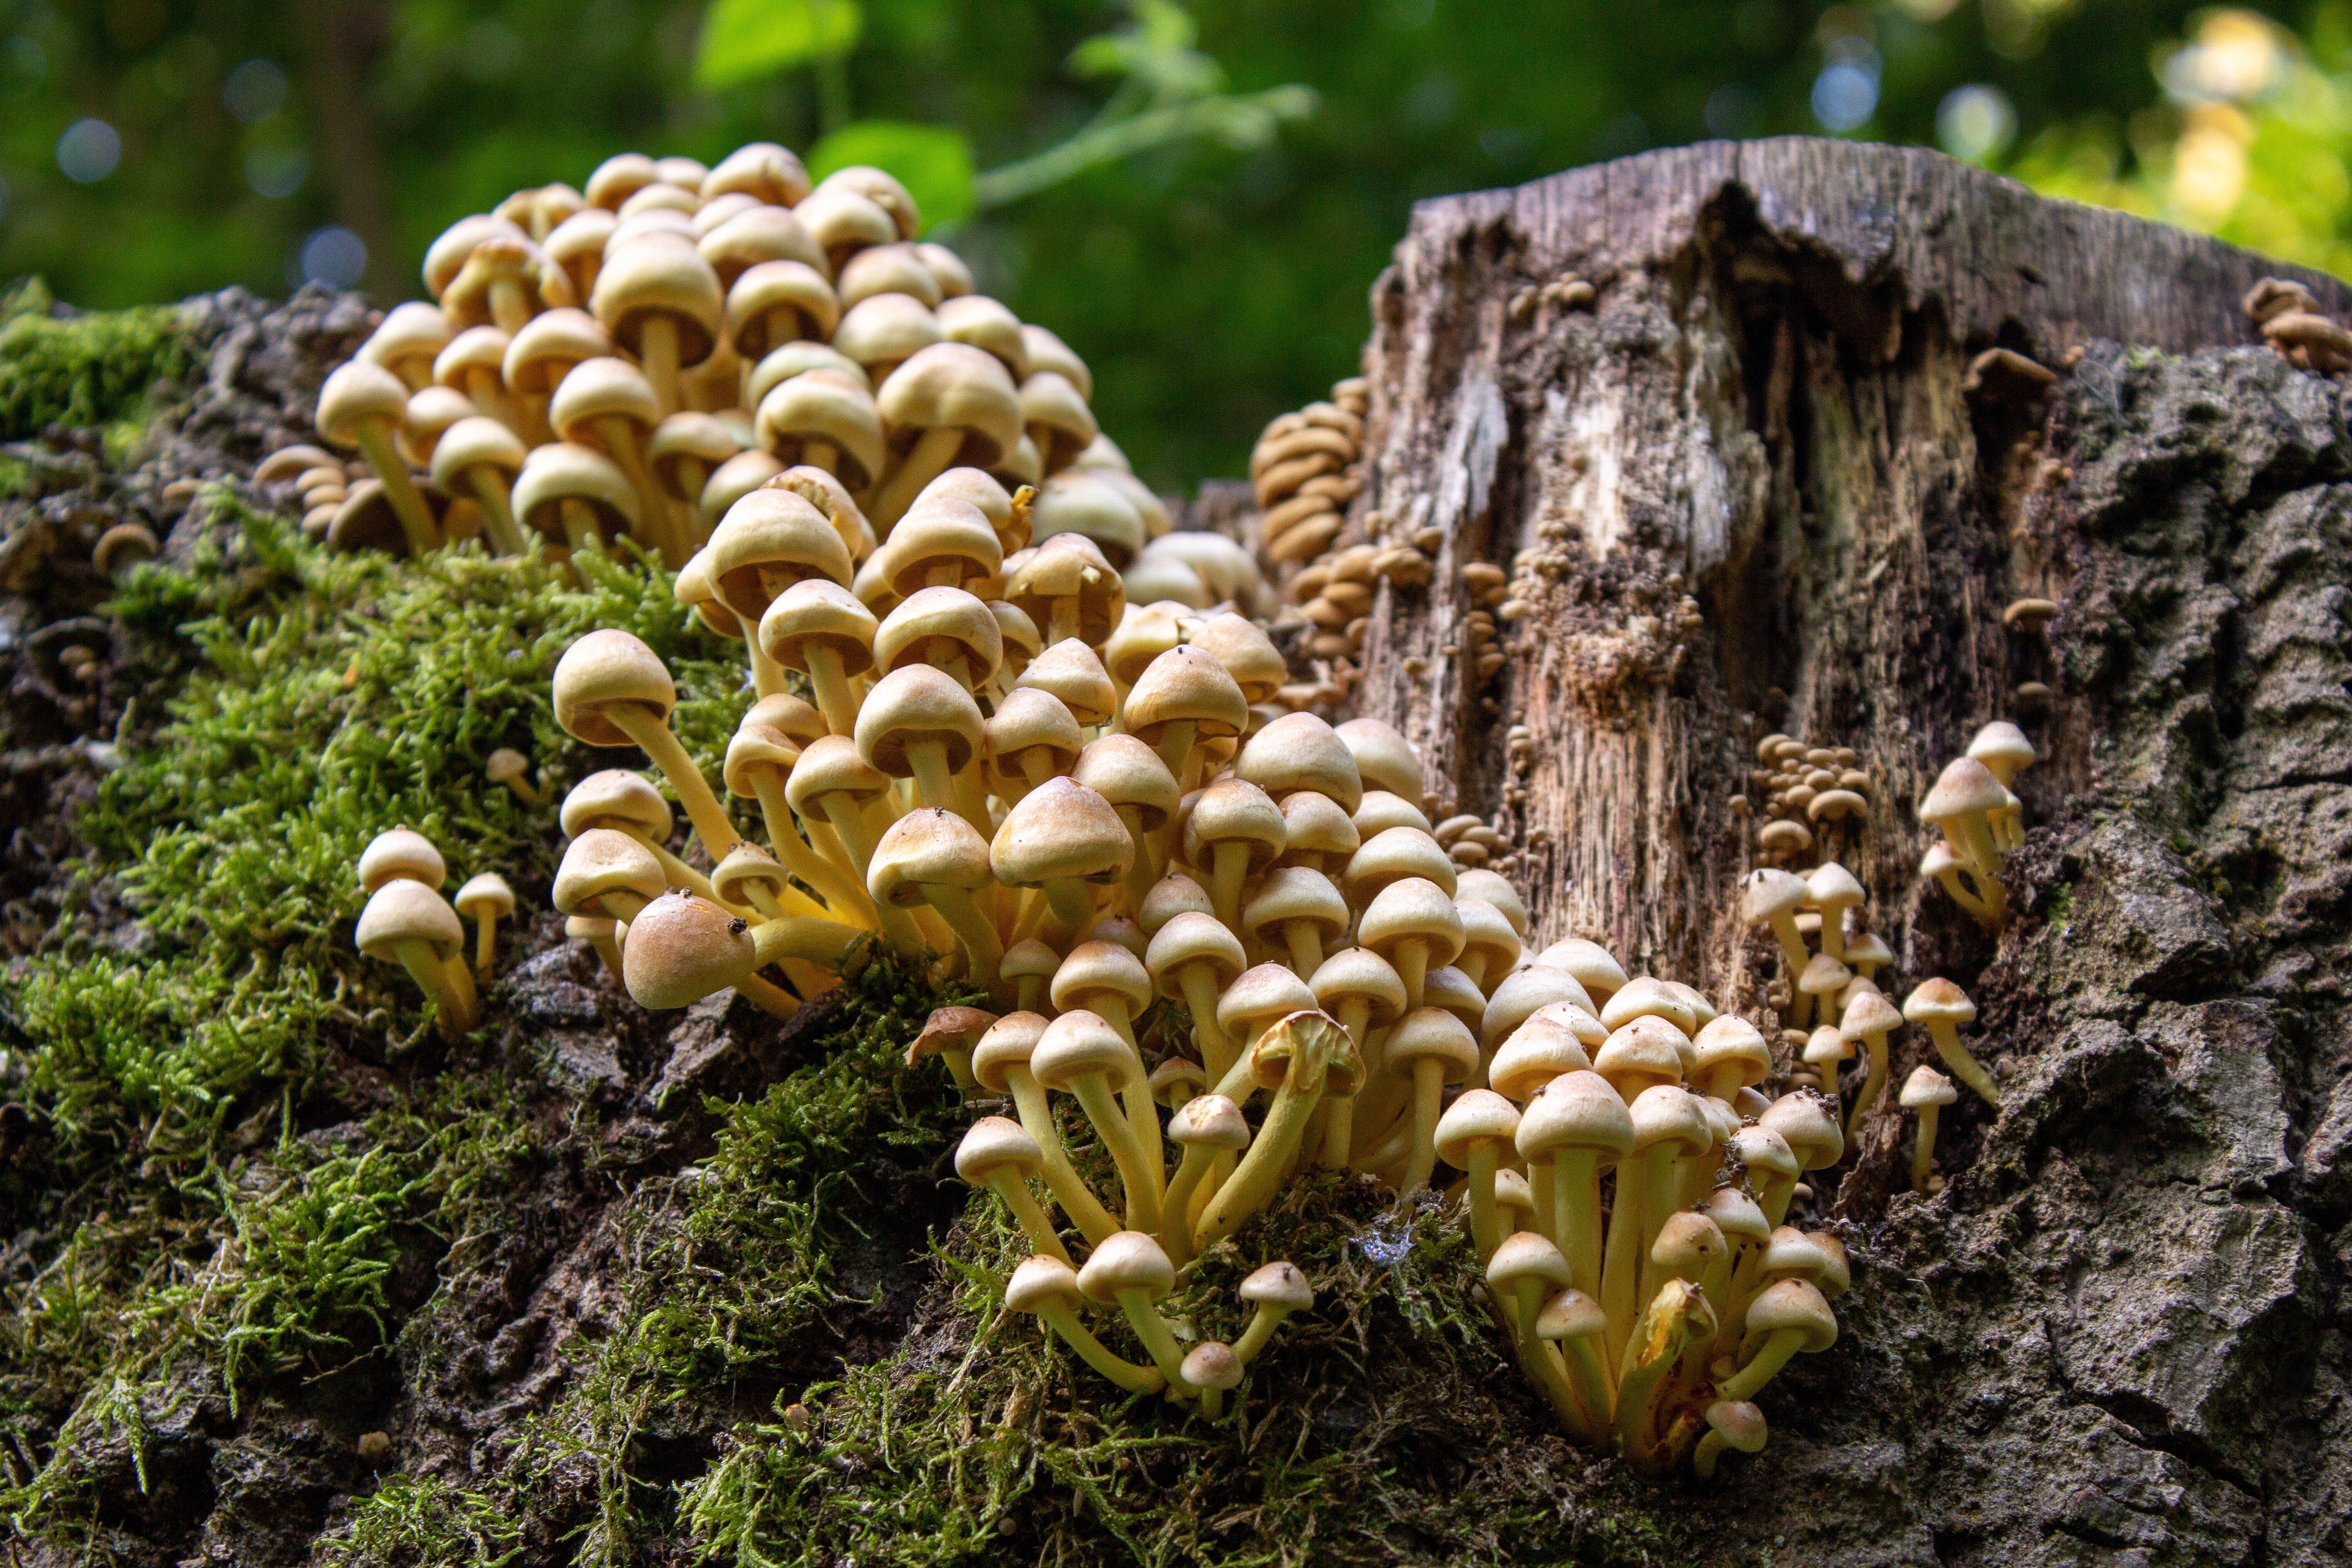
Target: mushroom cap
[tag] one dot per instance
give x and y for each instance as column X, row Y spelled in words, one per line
column 822, row 405
column 1939, row 860
column 1412, row 908
column 1494, row 887
column 1670, row 1114
column 1764, row 1151
column 1006, row 1043
column 359, row 390
column 1384, row 759
column 1736, row 1215
column 1576, row 1110
column 940, row 531
column 124, row 546
column 763, row 171
column 1868, row 948
column 597, row 389
column 1832, row 887
column 1259, row 996
column 927, row 848
column 1043, row 1283
column 1827, row 1046
column 949, row 1028
column 888, row 269
column 1211, row 1121
column 485, row 896
column 1868, row 1013
column 1084, row 503
column 1646, row 1052
column 1766, row 893
column 1447, row 987
column 1172, row 895
column 403, row 911
column 1927, row 1087
column 1512, row 1191
column 1359, row 974
column 1381, row 810
column 1027, row 721
column 770, row 540
column 1078, row 1043
column 564, row 470
column 1177, row 1081
column 401, row 853
column 938, row 385
column 1212, row 1364
column 818, row 613
column 648, row 277
column 2003, row 749
column 1837, row 1269
column 1965, row 786
column 918, row 705
column 1277, row 1287
column 1048, row 352
column 1739, row 1423
column 1540, row 1049
column 1476, row 1115
column 1185, row 683
column 1120, row 768
column 1646, row 996
column 1515, row 997
column 1188, row 937
column 1070, row 671
column 982, row 322
column 1732, row 1039
column 475, row 442
column 1823, row 975
column 616, row 797
column 1313, row 824
column 1121, row 931
column 412, row 333
column 604, row 669
column 733, row 479
column 908, row 634
column 1234, row 811
column 1835, row 803
column 1299, row 751
column 1794, row 1304
column 604, row 860
column 994, row 1144
column 1294, row 893
column 1570, row 1315
column 1060, row 830
column 1059, row 421
column 619, row 177
column 1939, row 1001
column 1243, row 648
column 1687, row 1242
column 1433, row 1034
column 1594, row 966
column 681, row 949
column 1097, row 970
column 1127, row 1260
column 1527, row 1258
column 831, row 765
column 1810, row 1126
column 1392, row 855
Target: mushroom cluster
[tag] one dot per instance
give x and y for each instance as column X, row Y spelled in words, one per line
column 2294, row 325
column 1979, row 820
column 406, row 921
column 631, row 359
column 1815, row 801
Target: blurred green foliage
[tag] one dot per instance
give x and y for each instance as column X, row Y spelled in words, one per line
column 1212, row 278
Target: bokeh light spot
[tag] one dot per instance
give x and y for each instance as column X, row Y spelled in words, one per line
column 89, row 151
column 254, row 91
column 278, row 172
column 1845, row 95
column 1975, row 121
column 333, row 255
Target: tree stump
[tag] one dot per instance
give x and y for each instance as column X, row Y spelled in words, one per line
column 1749, row 483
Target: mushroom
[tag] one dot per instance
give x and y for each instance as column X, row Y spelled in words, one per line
column 1048, row 1288
column 1472, row 1136
column 122, row 547
column 611, row 689
column 1773, row 898
column 949, row 1033
column 1573, row 1322
column 1827, row 1050
column 1082, row 1056
column 401, row 854
column 1192, row 956
column 1066, row 840
column 1942, row 1007
column 1962, row 803
column 1570, row 1130
column 2005, row 752
column 1869, row 1018
column 509, row 767
column 486, row 899
column 1925, row 1092
column 1668, row 1124
column 1212, row 1368
column 999, row 1064
column 1208, row 1126
column 1784, row 1319
column 933, row 856
column 1277, row 1292
column 1677, row 1321
column 1131, row 1269
column 682, row 948
column 1730, row 1424
column 1524, row 1270
column 361, row 406
column 996, row 1154
column 1297, row 1058
column 406, row 923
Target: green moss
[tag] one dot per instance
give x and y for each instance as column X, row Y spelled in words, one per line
column 424, row 1523
column 81, row 369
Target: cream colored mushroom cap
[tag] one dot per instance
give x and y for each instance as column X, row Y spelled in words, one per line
column 403, row 911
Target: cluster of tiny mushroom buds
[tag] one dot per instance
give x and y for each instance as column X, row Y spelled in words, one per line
column 1815, row 801
column 407, row 923
column 633, row 358
column 2294, row 325
column 1979, row 819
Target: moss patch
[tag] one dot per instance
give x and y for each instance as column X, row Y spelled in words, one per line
column 89, row 369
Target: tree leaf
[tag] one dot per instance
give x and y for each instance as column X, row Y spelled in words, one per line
column 932, row 162
column 745, row 40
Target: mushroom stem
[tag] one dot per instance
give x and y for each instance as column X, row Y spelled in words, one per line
column 1590, row 1375
column 1127, row 1374
column 1008, row 1186
column 486, row 942
column 1923, row 1152
column 1094, row 1096
column 1769, row 1358
column 1428, row 1088
column 773, row 1000
column 825, row 943
column 1965, row 1068
column 1412, row 968
column 1675, row 1317
column 579, row 526
column 374, row 438
column 498, row 510
column 1176, row 1205
column 898, row 927
column 1228, row 865
column 834, row 697
column 1794, row 956
column 1070, row 904
column 849, row 903
column 657, row 352
column 1873, row 1085
column 1176, row 747
column 1261, row 1325
column 619, row 438
column 1543, row 1192
column 1062, row 1179
column 1157, row 1336
column 1541, row 1364
column 1486, row 1225
column 934, row 780
column 652, row 737
column 1576, row 1215
column 1255, row 1179
column 1621, row 1268
column 975, row 931
column 929, row 457
column 451, row 988
column 821, row 454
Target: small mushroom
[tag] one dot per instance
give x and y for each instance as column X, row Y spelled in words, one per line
column 1786, row 1318
column 996, row 1154
column 406, row 923
column 1925, row 1092
column 121, row 547
column 1942, row 1007
column 1212, row 1368
column 1048, row 1288
column 1131, row 1269
column 486, row 899
column 1732, row 1423
column 509, row 767
column 1278, row 1291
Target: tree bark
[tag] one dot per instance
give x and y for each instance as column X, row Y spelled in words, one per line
column 1745, row 490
